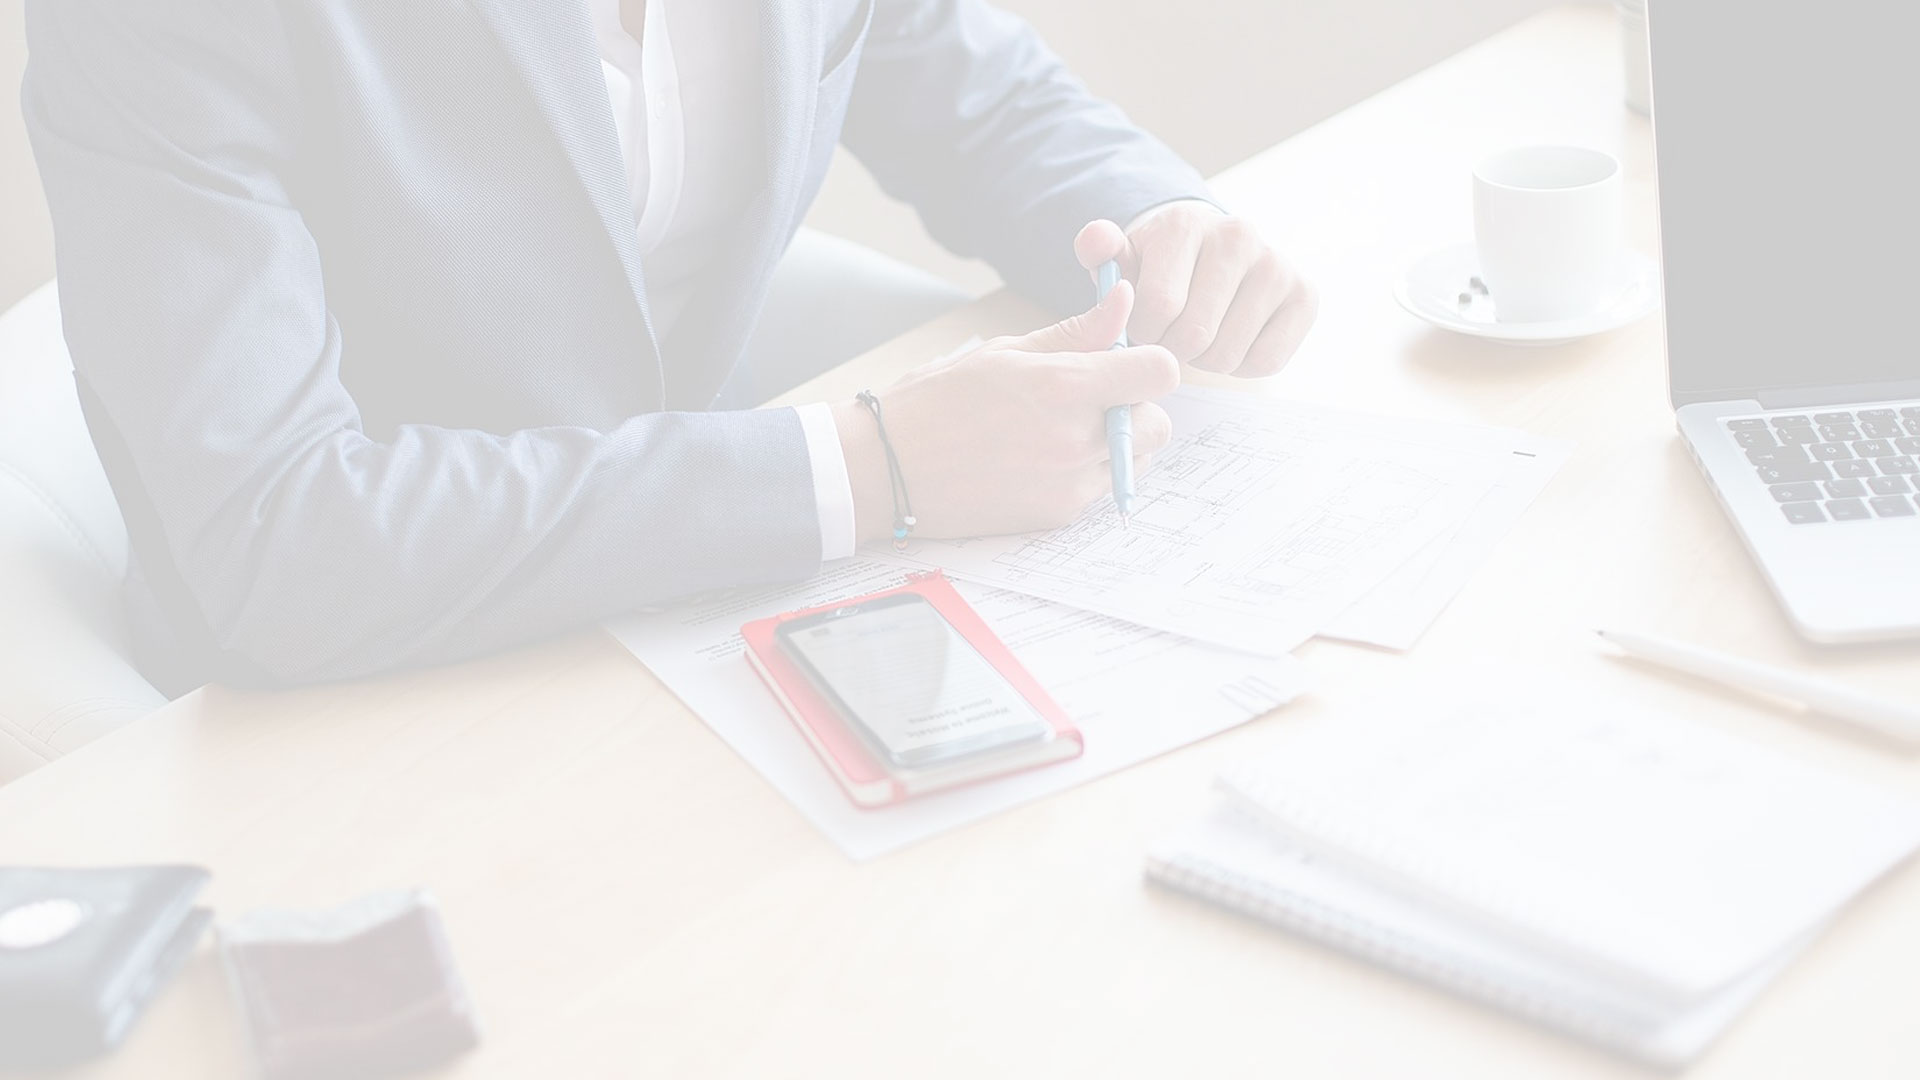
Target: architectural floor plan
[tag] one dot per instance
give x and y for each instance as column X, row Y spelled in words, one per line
column 1254, row 528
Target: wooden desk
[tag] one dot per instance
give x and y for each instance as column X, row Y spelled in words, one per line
column 628, row 899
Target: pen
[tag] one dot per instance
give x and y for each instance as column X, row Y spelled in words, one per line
column 1823, row 696
column 1119, row 417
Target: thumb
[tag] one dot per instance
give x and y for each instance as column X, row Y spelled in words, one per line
column 1098, row 328
column 1101, row 241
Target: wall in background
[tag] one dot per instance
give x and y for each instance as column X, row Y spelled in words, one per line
column 26, row 235
column 1218, row 79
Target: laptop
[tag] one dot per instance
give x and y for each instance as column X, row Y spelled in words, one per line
column 1786, row 154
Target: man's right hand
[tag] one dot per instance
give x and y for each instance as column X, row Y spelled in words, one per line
column 1010, row 437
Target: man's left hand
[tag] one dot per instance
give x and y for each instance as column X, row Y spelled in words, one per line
column 1209, row 287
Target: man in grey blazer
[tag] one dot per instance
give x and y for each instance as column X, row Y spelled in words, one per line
column 412, row 330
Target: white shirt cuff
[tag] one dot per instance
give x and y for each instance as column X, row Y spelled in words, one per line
column 832, row 491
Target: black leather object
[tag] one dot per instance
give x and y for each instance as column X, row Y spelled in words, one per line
column 77, row 995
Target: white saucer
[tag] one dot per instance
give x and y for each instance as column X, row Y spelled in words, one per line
column 1433, row 287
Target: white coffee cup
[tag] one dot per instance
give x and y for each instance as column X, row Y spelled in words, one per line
column 1547, row 223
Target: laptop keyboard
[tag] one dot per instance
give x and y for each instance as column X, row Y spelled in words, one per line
column 1836, row 464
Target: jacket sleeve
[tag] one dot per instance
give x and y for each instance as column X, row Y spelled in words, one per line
column 196, row 313
column 961, row 110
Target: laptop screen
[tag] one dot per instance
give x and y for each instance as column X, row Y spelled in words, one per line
column 1789, row 171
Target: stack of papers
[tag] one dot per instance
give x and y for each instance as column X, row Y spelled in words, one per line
column 1634, row 880
column 1133, row 693
column 1264, row 523
column 1260, row 526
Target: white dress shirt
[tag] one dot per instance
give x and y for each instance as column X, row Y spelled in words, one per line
column 686, row 102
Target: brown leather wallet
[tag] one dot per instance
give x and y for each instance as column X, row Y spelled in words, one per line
column 366, row 990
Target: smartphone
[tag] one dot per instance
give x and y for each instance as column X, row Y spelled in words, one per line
column 911, row 686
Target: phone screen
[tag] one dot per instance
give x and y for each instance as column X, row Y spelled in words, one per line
column 916, row 690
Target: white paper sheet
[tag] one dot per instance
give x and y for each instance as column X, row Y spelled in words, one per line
column 1134, row 693
column 1399, row 609
column 1254, row 529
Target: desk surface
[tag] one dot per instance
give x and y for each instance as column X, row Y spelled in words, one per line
column 628, row 898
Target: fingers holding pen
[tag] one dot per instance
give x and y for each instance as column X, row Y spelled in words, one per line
column 1124, row 376
column 1152, row 428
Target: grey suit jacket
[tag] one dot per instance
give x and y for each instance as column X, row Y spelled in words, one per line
column 353, row 293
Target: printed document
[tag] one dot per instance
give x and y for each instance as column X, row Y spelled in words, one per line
column 1134, row 694
column 1254, row 529
column 1399, row 609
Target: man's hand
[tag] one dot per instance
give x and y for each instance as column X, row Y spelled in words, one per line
column 1010, row 437
column 1210, row 289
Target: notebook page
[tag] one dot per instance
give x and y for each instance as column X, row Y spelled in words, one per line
column 1651, row 849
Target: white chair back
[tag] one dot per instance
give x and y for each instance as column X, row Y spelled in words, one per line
column 65, row 674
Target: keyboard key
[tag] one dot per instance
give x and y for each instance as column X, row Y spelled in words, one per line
column 1803, row 492
column 1845, row 489
column 1747, row 423
column 1848, row 510
column 1911, row 412
column 1877, row 414
column 1889, row 485
column 1839, row 432
column 1853, row 468
column 1882, row 429
column 1798, row 435
column 1791, row 472
column 1896, row 466
column 1891, row 506
column 1913, row 427
column 1794, row 420
column 1803, row 513
column 1830, row 451
column 1873, row 448
column 1833, row 418
column 1755, row 440
column 1791, row 454
column 1908, row 444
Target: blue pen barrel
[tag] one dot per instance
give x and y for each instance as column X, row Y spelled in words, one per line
column 1120, row 417
column 1120, row 447
column 1108, row 277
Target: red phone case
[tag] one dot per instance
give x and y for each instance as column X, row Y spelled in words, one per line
column 866, row 780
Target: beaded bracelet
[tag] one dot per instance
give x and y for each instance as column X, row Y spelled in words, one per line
column 903, row 519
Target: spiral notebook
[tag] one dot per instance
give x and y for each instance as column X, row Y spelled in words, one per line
column 1633, row 880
